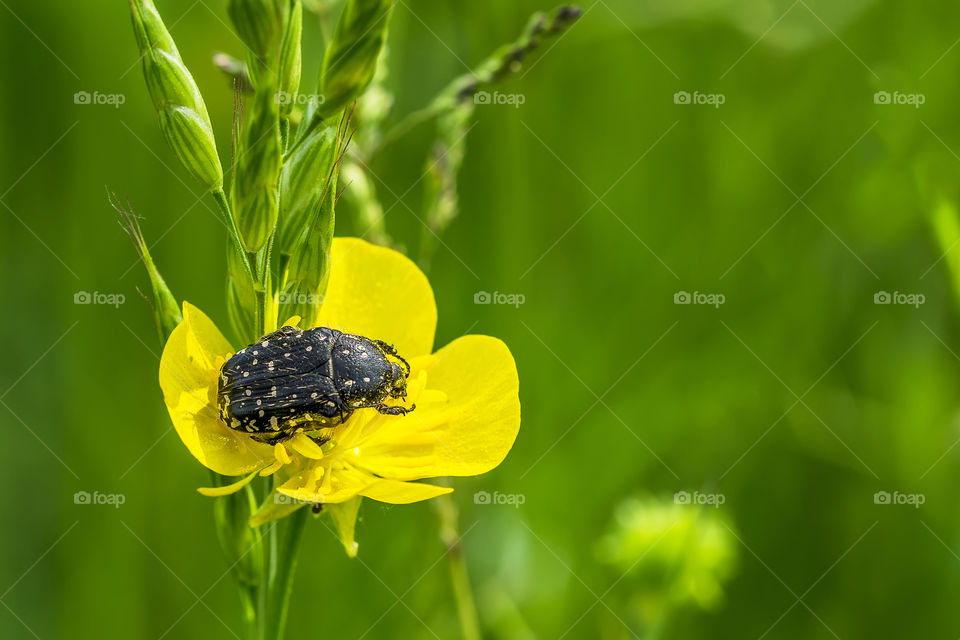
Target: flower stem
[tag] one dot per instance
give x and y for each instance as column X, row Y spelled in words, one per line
column 284, row 552
column 450, row 537
column 263, row 589
column 242, row 547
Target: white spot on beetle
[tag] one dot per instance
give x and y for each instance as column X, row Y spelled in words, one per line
column 265, row 343
column 261, row 413
column 366, row 379
column 248, row 392
column 309, row 348
column 246, row 373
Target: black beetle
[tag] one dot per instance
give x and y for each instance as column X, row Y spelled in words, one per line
column 294, row 380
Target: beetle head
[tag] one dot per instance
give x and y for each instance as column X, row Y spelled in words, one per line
column 399, row 372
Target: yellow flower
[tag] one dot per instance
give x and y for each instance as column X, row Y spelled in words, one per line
column 467, row 415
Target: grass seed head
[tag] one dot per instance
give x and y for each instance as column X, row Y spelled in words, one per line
column 183, row 115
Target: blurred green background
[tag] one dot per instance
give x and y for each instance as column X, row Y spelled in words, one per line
column 793, row 403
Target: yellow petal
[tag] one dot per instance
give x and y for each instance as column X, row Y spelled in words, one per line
column 396, row 492
column 226, row 490
column 189, row 368
column 464, row 423
column 292, row 321
column 381, row 294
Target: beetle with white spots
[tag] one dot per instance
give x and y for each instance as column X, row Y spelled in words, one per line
column 299, row 381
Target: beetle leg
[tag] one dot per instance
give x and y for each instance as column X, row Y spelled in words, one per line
column 270, row 438
column 390, row 410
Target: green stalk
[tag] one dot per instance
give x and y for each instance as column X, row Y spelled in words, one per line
column 224, row 204
column 501, row 63
column 242, row 547
column 263, row 282
column 284, row 134
column 221, row 197
column 248, row 604
column 285, row 556
column 248, row 591
column 462, row 592
column 264, row 592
